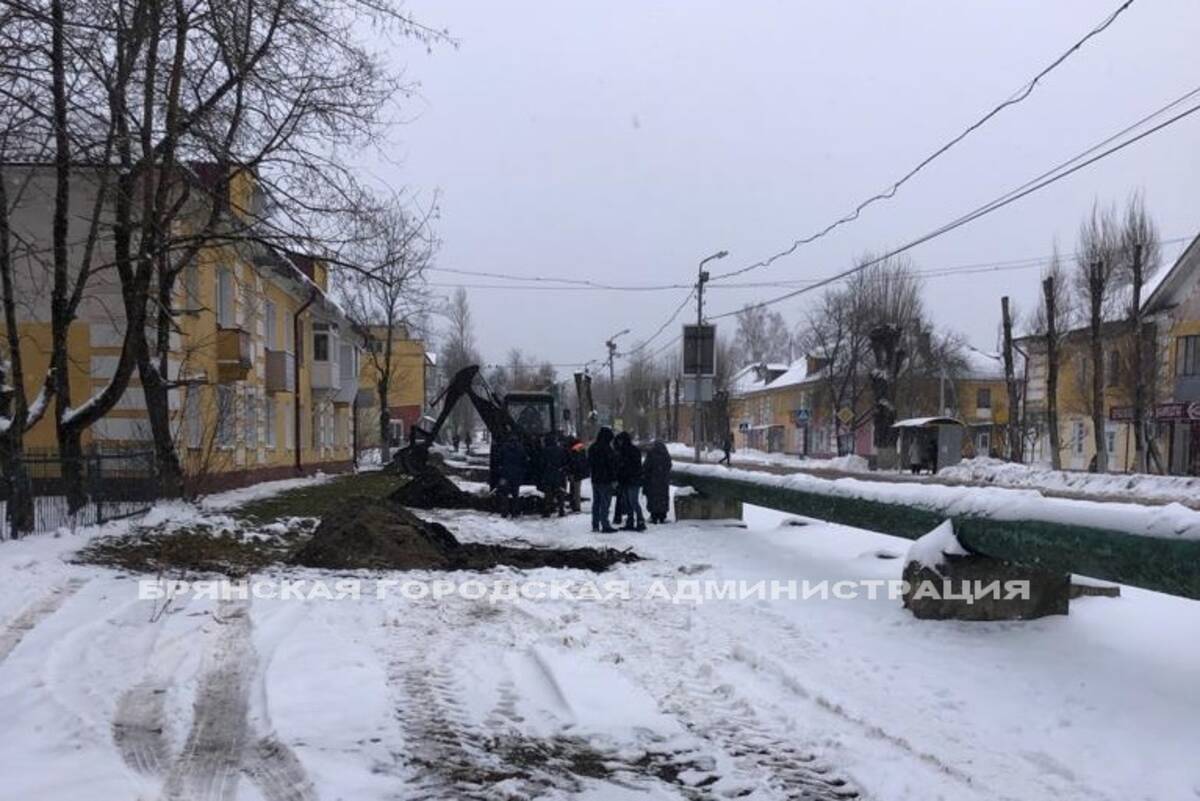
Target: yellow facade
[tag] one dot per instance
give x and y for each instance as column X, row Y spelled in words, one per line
column 236, row 309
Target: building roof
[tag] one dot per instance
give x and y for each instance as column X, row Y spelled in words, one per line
column 754, row 377
column 1172, row 282
column 922, row 422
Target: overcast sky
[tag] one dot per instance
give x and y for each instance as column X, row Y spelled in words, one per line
column 624, row 141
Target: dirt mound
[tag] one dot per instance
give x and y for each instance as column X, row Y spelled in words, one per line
column 368, row 533
column 429, row 489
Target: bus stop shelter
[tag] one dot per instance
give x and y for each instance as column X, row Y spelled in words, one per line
column 929, row 443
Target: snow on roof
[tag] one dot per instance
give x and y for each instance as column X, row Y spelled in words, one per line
column 921, row 422
column 981, row 364
column 754, row 377
column 796, row 374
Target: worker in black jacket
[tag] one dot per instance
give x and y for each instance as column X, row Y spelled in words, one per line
column 514, row 463
column 629, row 481
column 553, row 465
column 602, row 462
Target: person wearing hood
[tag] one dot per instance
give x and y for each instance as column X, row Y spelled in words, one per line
column 657, row 482
column 602, row 464
column 513, row 464
column 629, row 481
column 553, row 475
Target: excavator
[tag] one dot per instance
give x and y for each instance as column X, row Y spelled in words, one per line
column 529, row 415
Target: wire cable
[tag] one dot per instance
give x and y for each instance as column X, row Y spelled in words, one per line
column 1025, row 91
column 1006, row 199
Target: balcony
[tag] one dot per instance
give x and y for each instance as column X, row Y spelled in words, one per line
column 325, row 377
column 348, row 372
column 281, row 371
column 233, row 355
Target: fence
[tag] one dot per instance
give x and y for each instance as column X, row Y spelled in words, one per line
column 116, row 484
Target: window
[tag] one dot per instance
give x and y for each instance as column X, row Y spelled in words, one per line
column 289, row 426
column 1110, row 440
column 1112, row 370
column 269, row 421
column 983, row 443
column 983, row 398
column 1078, row 436
column 396, row 431
column 191, row 413
column 320, row 346
column 225, row 293
column 1187, row 355
column 226, row 416
column 191, row 285
column 251, row 418
column 269, row 322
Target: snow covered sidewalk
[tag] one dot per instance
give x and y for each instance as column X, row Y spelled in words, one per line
column 440, row 694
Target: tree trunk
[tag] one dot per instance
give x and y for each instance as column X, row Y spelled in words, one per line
column 385, row 423
column 1015, row 433
column 885, row 345
column 1096, row 298
column 1048, row 291
column 1139, row 380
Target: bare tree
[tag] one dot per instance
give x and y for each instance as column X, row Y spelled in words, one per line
column 1139, row 261
column 762, row 335
column 458, row 351
column 1016, row 433
column 1051, row 321
column 387, row 293
column 1096, row 275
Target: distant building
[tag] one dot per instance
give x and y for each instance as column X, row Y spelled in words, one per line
column 412, row 368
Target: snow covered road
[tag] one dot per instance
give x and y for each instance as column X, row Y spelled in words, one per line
column 103, row 695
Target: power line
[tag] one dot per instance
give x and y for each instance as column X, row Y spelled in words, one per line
column 644, row 343
column 581, row 282
column 1012, row 196
column 1025, row 91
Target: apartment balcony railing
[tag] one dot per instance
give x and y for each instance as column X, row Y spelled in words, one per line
column 233, row 355
column 281, row 371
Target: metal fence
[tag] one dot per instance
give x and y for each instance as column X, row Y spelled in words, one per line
column 116, row 484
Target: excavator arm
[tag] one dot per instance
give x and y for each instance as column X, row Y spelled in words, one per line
column 414, row 457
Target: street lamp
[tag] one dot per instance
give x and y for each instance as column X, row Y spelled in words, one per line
column 702, row 278
column 611, row 344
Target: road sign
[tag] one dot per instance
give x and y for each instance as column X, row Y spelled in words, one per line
column 801, row 416
column 699, row 350
column 846, row 416
column 689, row 390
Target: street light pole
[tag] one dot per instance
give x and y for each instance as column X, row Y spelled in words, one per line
column 611, row 344
column 701, row 280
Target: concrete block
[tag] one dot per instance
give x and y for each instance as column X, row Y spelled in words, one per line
column 696, row 506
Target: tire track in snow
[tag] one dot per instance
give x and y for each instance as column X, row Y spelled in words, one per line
column 220, row 746
column 12, row 634
column 210, row 763
column 139, row 726
column 764, row 760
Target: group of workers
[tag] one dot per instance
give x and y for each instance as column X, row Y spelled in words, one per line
column 613, row 462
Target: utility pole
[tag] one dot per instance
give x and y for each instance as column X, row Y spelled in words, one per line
column 611, row 344
column 701, row 280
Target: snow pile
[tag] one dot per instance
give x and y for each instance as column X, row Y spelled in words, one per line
column 1010, row 474
column 243, row 495
column 932, row 549
column 1170, row 520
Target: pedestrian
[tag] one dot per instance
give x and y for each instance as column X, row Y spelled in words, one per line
column 602, row 464
column 726, row 448
column 914, row 454
column 577, row 470
column 513, row 465
column 553, row 466
column 629, row 481
column 657, row 482
column 456, row 441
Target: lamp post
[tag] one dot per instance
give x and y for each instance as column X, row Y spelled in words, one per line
column 611, row 344
column 702, row 278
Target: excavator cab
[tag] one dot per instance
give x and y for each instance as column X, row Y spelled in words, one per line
column 529, row 415
column 533, row 412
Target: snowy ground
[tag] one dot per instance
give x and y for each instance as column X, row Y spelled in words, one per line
column 106, row 696
column 980, row 472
